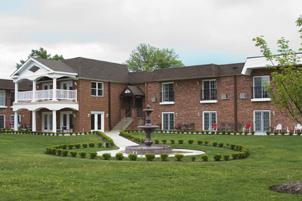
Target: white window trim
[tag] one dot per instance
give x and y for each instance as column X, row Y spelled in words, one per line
column 209, row 101
column 260, row 99
column 4, row 92
column 95, row 122
column 4, row 120
column 270, row 116
column 97, row 95
column 162, row 89
column 203, row 117
column 162, row 119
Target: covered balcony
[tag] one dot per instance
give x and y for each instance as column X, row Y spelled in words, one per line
column 45, row 95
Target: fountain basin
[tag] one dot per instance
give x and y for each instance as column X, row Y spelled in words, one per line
column 143, row 149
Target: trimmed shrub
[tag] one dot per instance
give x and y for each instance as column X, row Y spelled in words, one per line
column 119, row 156
column 106, row 156
column 235, row 156
column 77, row 146
column 190, row 141
column 217, row 157
column 172, row 141
column 64, row 153
column 156, row 141
column 83, row 155
column 164, row 141
column 193, row 158
column 199, row 142
column 226, row 157
column 91, row 144
column 220, row 145
column 58, row 152
column 180, row 141
column 73, row 153
column 150, row 157
column 93, row 155
column 84, row 145
column 215, row 144
column 132, row 157
column 164, row 157
column 100, row 144
column 64, row 146
column 179, row 157
column 206, row 142
column 70, row 146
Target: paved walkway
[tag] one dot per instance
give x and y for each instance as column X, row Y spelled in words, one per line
column 122, row 143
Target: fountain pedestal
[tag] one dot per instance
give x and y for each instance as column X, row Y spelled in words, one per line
column 147, row 147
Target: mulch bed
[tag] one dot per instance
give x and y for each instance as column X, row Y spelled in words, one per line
column 293, row 188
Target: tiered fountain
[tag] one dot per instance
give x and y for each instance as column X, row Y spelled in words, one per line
column 147, row 147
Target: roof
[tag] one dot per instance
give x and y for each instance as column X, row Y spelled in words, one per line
column 56, row 65
column 99, row 70
column 190, row 72
column 136, row 91
column 9, row 85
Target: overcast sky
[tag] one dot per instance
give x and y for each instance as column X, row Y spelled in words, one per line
column 200, row 31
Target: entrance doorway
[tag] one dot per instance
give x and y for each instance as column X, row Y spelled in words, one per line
column 262, row 121
column 66, row 121
column 97, row 121
column 46, row 121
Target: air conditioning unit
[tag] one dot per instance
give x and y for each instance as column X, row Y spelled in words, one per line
column 243, row 95
column 224, row 96
column 153, row 99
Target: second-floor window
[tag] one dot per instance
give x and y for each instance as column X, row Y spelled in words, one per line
column 167, row 92
column 97, row 88
column 2, row 98
column 209, row 90
column 260, row 84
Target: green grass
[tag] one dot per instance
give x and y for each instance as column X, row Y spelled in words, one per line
column 26, row 173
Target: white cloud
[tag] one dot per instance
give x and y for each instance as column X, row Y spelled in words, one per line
column 110, row 29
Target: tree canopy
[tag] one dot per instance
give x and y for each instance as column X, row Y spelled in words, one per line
column 40, row 53
column 286, row 85
column 148, row 58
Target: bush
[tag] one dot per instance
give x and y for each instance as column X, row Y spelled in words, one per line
column 70, row 146
column 164, row 157
column 64, row 146
column 164, row 141
column 150, row 157
column 91, row 144
column 58, row 152
column 156, row 141
column 235, row 156
column 93, row 155
column 83, row 155
column 179, row 157
column 77, row 146
column 215, row 144
column 73, row 153
column 64, row 153
column 106, row 156
column 172, row 141
column 226, row 157
column 232, row 146
column 193, row 158
column 119, row 156
column 100, row 144
column 132, row 157
column 190, row 141
column 199, row 142
column 220, row 144
column 180, row 141
column 206, row 142
column 84, row 145
column 217, row 157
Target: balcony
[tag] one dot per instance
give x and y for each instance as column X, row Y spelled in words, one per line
column 260, row 94
column 44, row 95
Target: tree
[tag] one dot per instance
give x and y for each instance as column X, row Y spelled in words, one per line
column 40, row 53
column 148, row 58
column 286, row 85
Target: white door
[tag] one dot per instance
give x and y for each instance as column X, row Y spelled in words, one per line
column 168, row 120
column 209, row 118
column 47, row 122
column 66, row 121
column 262, row 121
column 67, row 85
column 97, row 121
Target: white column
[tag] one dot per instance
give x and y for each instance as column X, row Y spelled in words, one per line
column 54, row 86
column 33, row 121
column 16, row 92
column 16, row 121
column 34, row 91
column 54, row 121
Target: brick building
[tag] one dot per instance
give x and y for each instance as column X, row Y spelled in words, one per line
column 82, row 94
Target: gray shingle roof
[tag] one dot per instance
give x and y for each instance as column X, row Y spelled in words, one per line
column 56, row 65
column 9, row 85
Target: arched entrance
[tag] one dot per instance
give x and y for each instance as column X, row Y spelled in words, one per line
column 132, row 99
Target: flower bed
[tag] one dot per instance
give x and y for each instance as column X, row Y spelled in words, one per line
column 12, row 132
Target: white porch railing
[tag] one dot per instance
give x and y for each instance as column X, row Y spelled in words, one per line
column 42, row 95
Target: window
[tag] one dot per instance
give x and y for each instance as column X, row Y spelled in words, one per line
column 2, row 121
column 12, row 120
column 209, row 118
column 260, row 84
column 209, row 91
column 167, row 92
column 97, row 88
column 168, row 120
column 2, row 98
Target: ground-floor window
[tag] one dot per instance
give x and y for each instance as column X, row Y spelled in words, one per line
column 47, row 121
column 168, row 120
column 209, row 119
column 2, row 121
column 262, row 120
column 97, row 121
column 66, row 121
column 12, row 120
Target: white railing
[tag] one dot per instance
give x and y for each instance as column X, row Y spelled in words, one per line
column 43, row 95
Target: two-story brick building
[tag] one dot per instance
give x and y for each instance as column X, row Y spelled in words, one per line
column 82, row 94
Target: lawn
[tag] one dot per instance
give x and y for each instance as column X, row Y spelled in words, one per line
column 28, row 174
